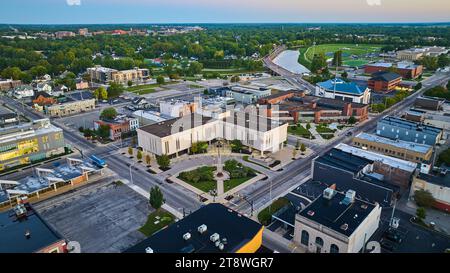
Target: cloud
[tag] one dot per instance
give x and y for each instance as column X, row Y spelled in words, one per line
column 73, row 2
column 373, row 2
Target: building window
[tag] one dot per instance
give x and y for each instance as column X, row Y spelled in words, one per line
column 45, row 139
column 304, row 240
column 319, row 241
column 334, row 248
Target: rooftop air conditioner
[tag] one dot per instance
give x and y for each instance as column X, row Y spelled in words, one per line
column 187, row 236
column 214, row 237
column 201, row 229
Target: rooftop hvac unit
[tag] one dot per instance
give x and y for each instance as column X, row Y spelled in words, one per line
column 148, row 250
column 202, row 229
column 328, row 193
column 217, row 243
column 221, row 246
column 214, row 237
column 187, row 236
column 350, row 195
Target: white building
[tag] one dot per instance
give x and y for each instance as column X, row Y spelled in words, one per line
column 177, row 135
column 247, row 94
column 44, row 87
column 177, row 108
column 341, row 90
column 23, row 91
column 336, row 223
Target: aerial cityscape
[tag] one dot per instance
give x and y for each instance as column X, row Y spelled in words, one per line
column 171, row 132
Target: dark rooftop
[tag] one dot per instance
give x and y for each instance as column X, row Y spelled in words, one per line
column 439, row 177
column 12, row 233
column 343, row 160
column 237, row 229
column 337, row 213
column 385, row 76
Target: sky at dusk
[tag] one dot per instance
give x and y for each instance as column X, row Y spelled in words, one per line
column 221, row 11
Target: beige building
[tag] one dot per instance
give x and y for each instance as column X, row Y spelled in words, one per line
column 106, row 75
column 69, row 108
column 176, row 136
column 336, row 223
column 405, row 150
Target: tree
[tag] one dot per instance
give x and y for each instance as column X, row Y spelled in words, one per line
column 130, row 151
column 303, row 148
column 344, row 75
column 101, row 93
column 351, row 120
column 148, row 160
column 337, row 59
column 139, row 155
column 160, row 80
column 38, row 71
column 421, row 213
column 418, row 86
column 297, row 145
column 163, row 161
column 130, row 83
column 115, row 90
column 235, row 78
column 195, row 68
column 308, row 126
column 103, row 131
column 318, row 63
column 424, row 198
column 448, row 85
column 294, row 153
column 236, row 146
column 109, row 113
column 156, row 198
column 199, row 147
column 443, row 60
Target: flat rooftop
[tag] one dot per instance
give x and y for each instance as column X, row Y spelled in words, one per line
column 387, row 160
column 437, row 177
column 236, row 228
column 12, row 233
column 167, row 128
column 342, row 87
column 410, row 125
column 338, row 214
column 344, row 160
column 416, row 147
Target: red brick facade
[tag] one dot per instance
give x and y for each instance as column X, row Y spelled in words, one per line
column 407, row 73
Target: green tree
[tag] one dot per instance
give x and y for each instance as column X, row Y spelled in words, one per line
column 421, row 213
column 235, row 78
column 303, row 148
column 337, row 59
column 443, row 60
column 103, row 93
column 156, row 198
column 130, row 83
column 308, row 126
column 103, row 131
column 195, row 68
column 418, row 86
column 130, row 151
column 163, row 161
column 351, row 120
column 160, row 80
column 294, row 153
column 424, row 198
column 297, row 145
column 115, row 90
column 109, row 113
column 139, row 155
column 236, row 146
column 448, row 85
column 344, row 75
column 318, row 63
column 38, row 71
column 199, row 147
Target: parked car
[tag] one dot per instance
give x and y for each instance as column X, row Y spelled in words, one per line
column 393, row 235
column 388, row 245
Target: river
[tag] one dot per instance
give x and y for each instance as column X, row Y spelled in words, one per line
column 288, row 59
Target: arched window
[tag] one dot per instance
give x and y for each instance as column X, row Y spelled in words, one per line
column 305, row 238
column 319, row 241
column 334, row 248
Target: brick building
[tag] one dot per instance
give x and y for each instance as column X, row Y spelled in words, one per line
column 405, row 69
column 384, row 81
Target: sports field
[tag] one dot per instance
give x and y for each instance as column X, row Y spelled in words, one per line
column 352, row 54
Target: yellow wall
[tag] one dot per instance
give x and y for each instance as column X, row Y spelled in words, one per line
column 254, row 244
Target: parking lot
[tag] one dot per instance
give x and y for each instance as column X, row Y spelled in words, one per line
column 102, row 219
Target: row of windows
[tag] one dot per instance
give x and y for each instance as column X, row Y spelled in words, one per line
column 304, row 240
column 384, row 150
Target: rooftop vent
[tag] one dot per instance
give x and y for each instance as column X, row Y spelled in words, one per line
column 344, row 226
column 350, row 196
column 364, row 206
column 221, row 246
column 214, row 237
column 187, row 236
column 201, row 229
column 311, row 213
column 27, row 234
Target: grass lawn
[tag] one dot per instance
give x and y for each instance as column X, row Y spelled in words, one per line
column 234, row 182
column 203, row 185
column 265, row 216
column 154, row 224
column 231, row 71
column 324, row 131
column 299, row 130
column 348, row 50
